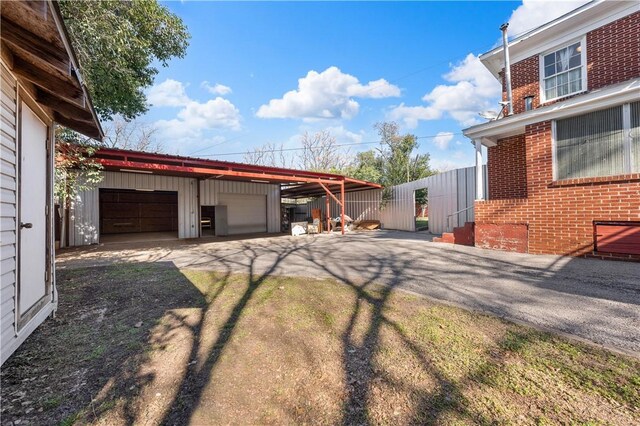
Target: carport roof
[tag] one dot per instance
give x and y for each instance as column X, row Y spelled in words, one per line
column 296, row 183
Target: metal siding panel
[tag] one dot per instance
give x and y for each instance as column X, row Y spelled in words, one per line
column 8, row 215
column 210, row 190
column 85, row 214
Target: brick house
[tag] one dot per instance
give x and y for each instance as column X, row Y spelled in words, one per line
column 564, row 171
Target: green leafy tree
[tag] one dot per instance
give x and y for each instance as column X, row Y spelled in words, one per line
column 367, row 166
column 397, row 161
column 75, row 170
column 393, row 163
column 117, row 43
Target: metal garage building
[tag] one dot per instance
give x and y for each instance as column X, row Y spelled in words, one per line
column 157, row 196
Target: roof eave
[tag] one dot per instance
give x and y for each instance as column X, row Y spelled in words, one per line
column 57, row 16
column 488, row 133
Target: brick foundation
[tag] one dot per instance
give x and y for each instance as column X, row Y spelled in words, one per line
column 503, row 237
column 559, row 215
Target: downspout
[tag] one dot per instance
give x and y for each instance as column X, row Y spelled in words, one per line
column 507, row 66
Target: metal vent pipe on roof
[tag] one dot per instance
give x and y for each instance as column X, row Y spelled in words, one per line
column 507, row 66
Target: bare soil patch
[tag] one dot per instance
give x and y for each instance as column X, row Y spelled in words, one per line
column 147, row 343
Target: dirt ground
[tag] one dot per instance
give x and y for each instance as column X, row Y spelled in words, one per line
column 593, row 300
column 148, row 343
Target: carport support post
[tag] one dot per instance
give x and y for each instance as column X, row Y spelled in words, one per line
column 479, row 171
column 327, row 205
column 342, row 206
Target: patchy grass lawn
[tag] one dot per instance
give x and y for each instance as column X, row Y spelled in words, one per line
column 422, row 223
column 147, row 343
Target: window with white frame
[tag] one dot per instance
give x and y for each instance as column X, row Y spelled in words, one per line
column 600, row 143
column 563, row 71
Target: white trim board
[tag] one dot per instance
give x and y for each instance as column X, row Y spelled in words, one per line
column 562, row 30
column 616, row 94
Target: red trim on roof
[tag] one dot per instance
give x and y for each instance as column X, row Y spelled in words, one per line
column 117, row 159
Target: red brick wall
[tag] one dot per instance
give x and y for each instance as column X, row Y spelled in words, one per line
column 507, row 169
column 524, row 82
column 613, row 52
column 560, row 216
column 613, row 56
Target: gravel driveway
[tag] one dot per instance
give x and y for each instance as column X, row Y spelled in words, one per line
column 591, row 299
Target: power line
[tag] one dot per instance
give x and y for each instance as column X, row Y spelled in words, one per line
column 337, row 145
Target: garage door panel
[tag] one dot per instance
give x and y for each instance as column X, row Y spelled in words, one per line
column 245, row 213
column 129, row 211
column 159, row 224
column 160, row 210
column 119, row 210
column 119, row 225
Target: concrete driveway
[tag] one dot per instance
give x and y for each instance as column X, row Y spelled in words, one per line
column 591, row 299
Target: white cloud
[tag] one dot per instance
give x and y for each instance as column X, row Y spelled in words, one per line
column 196, row 117
column 473, row 89
column 326, row 95
column 168, row 93
column 533, row 13
column 216, row 89
column 442, row 139
column 411, row 115
column 444, row 165
column 344, row 135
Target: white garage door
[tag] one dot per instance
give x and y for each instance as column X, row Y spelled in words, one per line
column 245, row 213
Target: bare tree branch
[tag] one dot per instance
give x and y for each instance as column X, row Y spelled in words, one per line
column 133, row 135
column 268, row 155
column 320, row 153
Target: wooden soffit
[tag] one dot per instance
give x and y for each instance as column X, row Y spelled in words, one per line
column 36, row 49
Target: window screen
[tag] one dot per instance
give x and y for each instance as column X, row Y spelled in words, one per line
column 563, row 72
column 635, row 137
column 590, row 145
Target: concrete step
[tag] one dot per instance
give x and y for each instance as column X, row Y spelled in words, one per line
column 447, row 237
column 463, row 235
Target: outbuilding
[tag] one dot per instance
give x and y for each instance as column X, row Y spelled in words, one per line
column 146, row 196
column 41, row 85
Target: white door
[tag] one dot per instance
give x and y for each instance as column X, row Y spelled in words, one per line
column 32, row 256
column 245, row 213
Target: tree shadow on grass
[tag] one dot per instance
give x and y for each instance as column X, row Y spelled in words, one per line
column 184, row 319
column 198, row 377
column 96, row 344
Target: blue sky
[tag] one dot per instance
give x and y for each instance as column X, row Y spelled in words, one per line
column 258, row 73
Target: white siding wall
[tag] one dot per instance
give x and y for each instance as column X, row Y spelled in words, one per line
column 10, row 337
column 8, row 162
column 211, row 188
column 448, row 192
column 84, row 221
column 443, row 201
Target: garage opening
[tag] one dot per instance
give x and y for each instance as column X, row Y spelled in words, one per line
column 207, row 221
column 246, row 214
column 137, row 215
column 421, row 197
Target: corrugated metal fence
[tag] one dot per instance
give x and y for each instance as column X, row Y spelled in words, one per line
column 361, row 205
column 448, row 193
